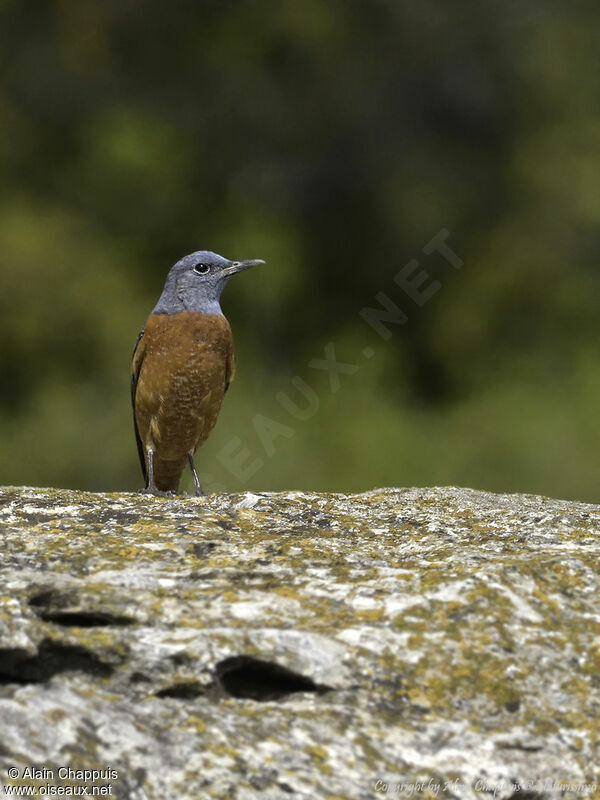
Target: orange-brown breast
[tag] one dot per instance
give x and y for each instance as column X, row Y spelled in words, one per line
column 183, row 363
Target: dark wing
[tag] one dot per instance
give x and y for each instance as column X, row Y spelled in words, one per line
column 136, row 364
column 230, row 365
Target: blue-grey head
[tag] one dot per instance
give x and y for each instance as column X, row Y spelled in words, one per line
column 196, row 281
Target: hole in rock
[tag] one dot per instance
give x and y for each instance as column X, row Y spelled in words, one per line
column 42, row 599
column 203, row 550
column 182, row 691
column 254, row 679
column 84, row 619
column 139, row 677
column 47, row 605
column 181, row 659
column 16, row 666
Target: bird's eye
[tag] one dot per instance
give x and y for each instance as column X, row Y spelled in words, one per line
column 201, row 269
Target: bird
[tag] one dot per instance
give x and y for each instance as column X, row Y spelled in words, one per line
column 183, row 362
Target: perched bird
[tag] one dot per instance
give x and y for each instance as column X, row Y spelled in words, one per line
column 183, row 362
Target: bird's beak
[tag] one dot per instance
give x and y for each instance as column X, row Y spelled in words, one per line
column 240, row 266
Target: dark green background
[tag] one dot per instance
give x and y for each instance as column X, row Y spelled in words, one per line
column 332, row 139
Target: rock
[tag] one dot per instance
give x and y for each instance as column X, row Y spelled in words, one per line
column 404, row 642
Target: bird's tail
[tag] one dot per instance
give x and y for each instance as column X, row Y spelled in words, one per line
column 167, row 474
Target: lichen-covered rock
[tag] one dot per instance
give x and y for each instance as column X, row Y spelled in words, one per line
column 412, row 643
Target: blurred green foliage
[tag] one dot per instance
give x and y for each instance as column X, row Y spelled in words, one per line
column 332, row 139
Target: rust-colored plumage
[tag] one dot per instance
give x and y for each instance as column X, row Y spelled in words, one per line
column 182, row 366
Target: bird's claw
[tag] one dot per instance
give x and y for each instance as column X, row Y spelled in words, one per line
column 157, row 492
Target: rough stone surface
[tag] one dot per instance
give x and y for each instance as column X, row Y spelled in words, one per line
column 415, row 643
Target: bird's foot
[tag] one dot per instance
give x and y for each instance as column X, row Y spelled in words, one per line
column 157, row 492
column 198, row 492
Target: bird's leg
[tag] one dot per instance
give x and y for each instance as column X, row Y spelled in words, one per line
column 150, row 485
column 199, row 491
